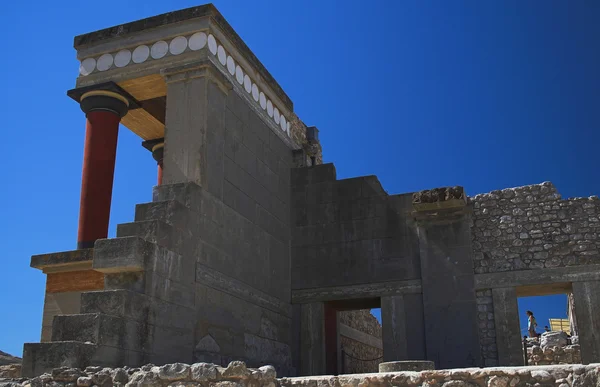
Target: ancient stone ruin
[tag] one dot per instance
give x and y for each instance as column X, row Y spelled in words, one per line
column 251, row 248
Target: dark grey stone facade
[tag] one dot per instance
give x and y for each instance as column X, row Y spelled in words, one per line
column 251, row 246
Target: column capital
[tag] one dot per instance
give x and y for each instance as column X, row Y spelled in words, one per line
column 106, row 96
column 155, row 146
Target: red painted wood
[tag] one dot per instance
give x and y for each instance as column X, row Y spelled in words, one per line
column 331, row 337
column 101, row 132
column 160, row 173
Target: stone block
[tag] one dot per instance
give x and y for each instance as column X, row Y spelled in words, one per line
column 119, row 303
column 265, row 351
column 43, row 357
column 63, row 258
column 189, row 194
column 128, row 254
column 171, row 212
column 96, row 328
column 154, row 231
column 169, row 290
column 239, row 201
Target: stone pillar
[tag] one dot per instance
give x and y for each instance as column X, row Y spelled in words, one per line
column 104, row 110
column 312, row 339
column 194, row 136
column 402, row 324
column 450, row 310
column 157, row 148
column 508, row 331
column 587, row 307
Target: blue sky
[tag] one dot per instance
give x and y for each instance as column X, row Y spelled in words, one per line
column 421, row 93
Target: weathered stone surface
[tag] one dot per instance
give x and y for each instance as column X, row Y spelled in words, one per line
column 553, row 339
column 236, row 370
column 172, row 372
column 10, row 371
column 406, row 365
column 202, row 372
column 238, row 375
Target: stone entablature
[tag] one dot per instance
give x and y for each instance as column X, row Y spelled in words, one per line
column 530, row 227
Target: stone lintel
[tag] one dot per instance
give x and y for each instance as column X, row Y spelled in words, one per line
column 198, row 69
column 63, row 261
column 527, row 278
column 301, row 296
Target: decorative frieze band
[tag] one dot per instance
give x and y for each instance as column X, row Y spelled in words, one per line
column 177, row 46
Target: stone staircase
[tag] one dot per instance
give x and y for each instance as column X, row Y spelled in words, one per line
column 141, row 310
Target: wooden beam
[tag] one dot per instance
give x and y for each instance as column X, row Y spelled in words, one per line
column 74, row 281
column 144, row 88
column 144, row 124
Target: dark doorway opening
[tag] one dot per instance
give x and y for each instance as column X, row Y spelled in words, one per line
column 350, row 327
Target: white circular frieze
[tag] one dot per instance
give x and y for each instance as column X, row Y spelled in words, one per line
column 230, row 65
column 197, row 41
column 255, row 92
column 140, row 54
column 239, row 74
column 122, row 58
column 270, row 108
column 87, row 66
column 222, row 55
column 212, row 44
column 159, row 49
column 247, row 84
column 178, row 45
column 105, row 62
column 276, row 115
column 282, row 123
column 263, row 100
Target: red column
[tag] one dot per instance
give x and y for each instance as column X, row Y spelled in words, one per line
column 159, row 179
column 157, row 153
column 331, row 338
column 103, row 113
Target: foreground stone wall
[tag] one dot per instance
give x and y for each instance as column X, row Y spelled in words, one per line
column 237, row 375
column 570, row 354
column 530, row 227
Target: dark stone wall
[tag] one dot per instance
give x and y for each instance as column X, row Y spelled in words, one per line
column 349, row 232
column 234, row 182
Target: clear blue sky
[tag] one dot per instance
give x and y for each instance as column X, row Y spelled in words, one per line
column 421, row 93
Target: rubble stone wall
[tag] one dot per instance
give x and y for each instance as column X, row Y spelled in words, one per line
column 487, row 328
column 530, row 227
column 360, row 357
column 237, row 375
column 570, row 354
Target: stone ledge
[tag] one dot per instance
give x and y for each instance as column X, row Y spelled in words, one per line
column 63, row 261
column 537, row 277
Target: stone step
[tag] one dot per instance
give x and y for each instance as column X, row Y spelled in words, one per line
column 154, row 231
column 43, row 357
column 100, row 329
column 171, row 212
column 39, row 358
column 96, row 328
column 118, row 255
